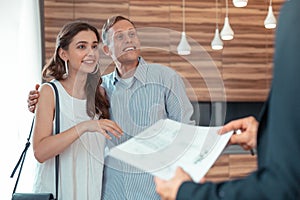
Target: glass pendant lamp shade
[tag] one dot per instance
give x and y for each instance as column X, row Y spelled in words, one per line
column 270, row 21
column 183, row 47
column 240, row 3
column 217, row 43
column 227, row 32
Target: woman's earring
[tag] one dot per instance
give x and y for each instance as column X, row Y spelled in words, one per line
column 65, row 75
column 95, row 70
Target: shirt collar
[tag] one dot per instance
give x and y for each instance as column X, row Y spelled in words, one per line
column 140, row 73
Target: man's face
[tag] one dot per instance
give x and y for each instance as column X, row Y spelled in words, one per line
column 124, row 44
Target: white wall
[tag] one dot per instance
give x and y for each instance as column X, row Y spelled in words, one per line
column 20, row 69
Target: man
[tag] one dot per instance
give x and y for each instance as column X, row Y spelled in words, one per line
column 140, row 94
column 278, row 140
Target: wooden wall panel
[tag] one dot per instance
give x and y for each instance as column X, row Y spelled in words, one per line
column 245, row 59
column 241, row 165
column 242, row 71
column 56, row 14
column 202, row 67
column 232, row 166
column 152, row 18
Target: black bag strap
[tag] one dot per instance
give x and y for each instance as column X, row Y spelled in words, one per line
column 22, row 158
column 27, row 145
column 57, row 130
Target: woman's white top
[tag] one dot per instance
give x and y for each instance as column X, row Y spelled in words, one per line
column 81, row 164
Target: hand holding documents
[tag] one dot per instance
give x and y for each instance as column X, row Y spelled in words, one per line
column 167, row 144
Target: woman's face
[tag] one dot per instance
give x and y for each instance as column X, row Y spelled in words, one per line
column 83, row 52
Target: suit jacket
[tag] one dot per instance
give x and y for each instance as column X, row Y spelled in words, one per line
column 278, row 172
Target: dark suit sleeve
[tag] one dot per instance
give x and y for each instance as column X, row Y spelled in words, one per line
column 252, row 187
column 278, row 173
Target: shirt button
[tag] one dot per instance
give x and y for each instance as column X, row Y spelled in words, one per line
column 221, row 194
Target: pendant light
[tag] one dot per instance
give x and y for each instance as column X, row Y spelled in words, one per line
column 217, row 43
column 227, row 32
column 240, row 3
column 183, row 47
column 270, row 21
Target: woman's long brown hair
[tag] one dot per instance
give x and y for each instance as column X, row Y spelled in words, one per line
column 97, row 104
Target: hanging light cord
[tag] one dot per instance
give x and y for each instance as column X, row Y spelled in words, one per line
column 73, row 10
column 226, row 8
column 183, row 15
column 217, row 14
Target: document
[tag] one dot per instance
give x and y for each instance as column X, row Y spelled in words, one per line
column 168, row 144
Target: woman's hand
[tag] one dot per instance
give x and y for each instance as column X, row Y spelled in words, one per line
column 103, row 126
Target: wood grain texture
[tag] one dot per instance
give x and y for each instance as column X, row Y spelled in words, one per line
column 232, row 166
column 242, row 71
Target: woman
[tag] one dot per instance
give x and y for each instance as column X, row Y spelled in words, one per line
column 84, row 117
